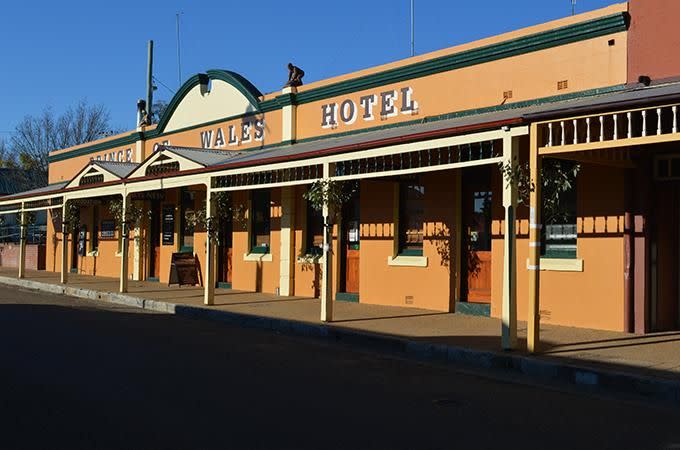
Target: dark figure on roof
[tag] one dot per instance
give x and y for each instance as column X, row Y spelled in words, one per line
column 295, row 75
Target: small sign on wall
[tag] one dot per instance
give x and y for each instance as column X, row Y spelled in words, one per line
column 108, row 229
column 168, row 225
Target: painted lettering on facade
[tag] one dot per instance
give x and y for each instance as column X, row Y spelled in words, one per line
column 233, row 135
column 384, row 105
column 122, row 155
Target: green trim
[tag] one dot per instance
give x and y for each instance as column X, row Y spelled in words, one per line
column 223, row 285
column 602, row 26
column 452, row 115
column 244, row 86
column 74, row 270
column 186, row 249
column 590, row 29
column 346, row 297
column 411, row 252
column 155, row 133
column 130, row 139
column 285, row 100
column 154, row 279
column 473, row 309
column 260, row 250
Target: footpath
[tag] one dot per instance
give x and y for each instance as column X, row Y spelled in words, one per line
column 646, row 365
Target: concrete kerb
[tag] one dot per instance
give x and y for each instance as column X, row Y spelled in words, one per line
column 650, row 387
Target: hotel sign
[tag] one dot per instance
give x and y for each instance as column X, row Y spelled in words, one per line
column 384, row 105
column 233, row 135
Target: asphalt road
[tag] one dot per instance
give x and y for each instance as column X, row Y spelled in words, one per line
column 83, row 374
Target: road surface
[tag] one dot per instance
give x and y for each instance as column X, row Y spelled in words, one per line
column 84, row 374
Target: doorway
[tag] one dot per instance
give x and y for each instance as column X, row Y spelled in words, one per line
column 224, row 254
column 477, row 201
column 350, row 250
column 155, row 242
column 666, row 298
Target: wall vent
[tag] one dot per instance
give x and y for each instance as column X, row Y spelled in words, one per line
column 507, row 95
column 562, row 85
column 408, row 299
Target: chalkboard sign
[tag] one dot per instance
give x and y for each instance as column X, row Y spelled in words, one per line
column 184, row 270
column 82, row 241
column 108, row 230
column 169, row 225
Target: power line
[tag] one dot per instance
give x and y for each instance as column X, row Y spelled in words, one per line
column 163, row 84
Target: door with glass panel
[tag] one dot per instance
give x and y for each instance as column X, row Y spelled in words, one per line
column 477, row 202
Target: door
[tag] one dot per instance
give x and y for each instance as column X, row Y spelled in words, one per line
column 668, row 253
column 155, row 244
column 224, row 254
column 74, row 249
column 351, row 246
column 477, row 203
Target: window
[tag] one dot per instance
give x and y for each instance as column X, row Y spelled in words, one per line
column 559, row 209
column 411, row 217
column 314, row 231
column 187, row 236
column 94, row 241
column 259, row 236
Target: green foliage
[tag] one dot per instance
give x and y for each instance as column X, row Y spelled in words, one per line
column 133, row 216
column 224, row 210
column 72, row 218
column 331, row 192
column 557, row 178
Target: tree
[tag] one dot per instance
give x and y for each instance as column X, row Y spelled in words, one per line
column 36, row 136
column 159, row 107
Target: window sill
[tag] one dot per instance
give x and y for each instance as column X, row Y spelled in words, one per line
column 560, row 265
column 263, row 257
column 407, row 261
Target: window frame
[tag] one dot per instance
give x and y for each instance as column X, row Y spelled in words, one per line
column 255, row 196
column 401, row 247
column 311, row 215
column 572, row 199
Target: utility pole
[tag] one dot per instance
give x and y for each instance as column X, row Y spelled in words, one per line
column 179, row 59
column 149, row 83
column 413, row 28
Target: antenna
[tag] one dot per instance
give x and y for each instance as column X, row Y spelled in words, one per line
column 413, row 28
column 179, row 58
column 149, row 82
column 573, row 7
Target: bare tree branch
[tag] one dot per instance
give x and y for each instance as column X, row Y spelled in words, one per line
column 36, row 136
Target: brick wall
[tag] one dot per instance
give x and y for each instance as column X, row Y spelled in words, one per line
column 35, row 256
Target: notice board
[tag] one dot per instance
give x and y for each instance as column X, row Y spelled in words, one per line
column 184, row 270
column 169, row 225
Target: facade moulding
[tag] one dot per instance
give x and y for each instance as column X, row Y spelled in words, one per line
column 453, row 115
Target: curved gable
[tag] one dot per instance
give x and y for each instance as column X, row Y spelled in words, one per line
column 209, row 97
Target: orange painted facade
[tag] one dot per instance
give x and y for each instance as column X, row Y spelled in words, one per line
column 553, row 71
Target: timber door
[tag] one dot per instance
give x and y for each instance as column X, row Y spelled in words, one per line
column 155, row 243
column 666, row 311
column 224, row 254
column 351, row 247
column 476, row 214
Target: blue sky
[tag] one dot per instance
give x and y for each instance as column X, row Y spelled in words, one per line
column 57, row 52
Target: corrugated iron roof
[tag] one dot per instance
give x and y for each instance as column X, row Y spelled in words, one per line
column 203, row 156
column 119, row 169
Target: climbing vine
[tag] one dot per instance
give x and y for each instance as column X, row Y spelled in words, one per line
column 133, row 215
column 224, row 210
column 331, row 192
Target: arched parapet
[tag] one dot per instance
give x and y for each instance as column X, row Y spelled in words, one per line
column 207, row 97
